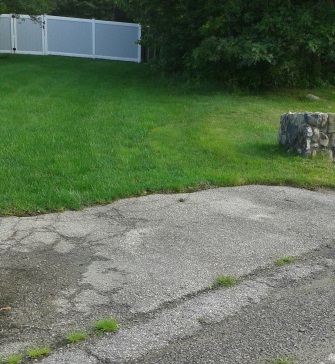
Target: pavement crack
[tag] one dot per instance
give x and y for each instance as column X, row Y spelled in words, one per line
column 97, row 357
column 286, row 199
column 148, row 262
column 270, row 276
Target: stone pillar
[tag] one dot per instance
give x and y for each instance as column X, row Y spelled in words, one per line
column 307, row 133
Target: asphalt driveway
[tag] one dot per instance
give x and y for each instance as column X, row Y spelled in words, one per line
column 149, row 262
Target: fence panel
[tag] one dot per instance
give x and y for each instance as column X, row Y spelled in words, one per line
column 117, row 41
column 5, row 33
column 29, row 35
column 69, row 36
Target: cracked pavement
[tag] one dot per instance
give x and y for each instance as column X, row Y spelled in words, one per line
column 148, row 262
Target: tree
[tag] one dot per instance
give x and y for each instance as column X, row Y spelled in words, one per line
column 99, row 9
column 269, row 43
column 33, row 7
column 255, row 43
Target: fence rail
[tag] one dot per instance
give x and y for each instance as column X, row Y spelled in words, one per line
column 75, row 37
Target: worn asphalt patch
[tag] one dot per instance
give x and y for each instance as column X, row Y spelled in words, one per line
column 136, row 256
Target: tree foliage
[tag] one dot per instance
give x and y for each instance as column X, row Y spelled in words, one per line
column 255, row 43
column 99, row 9
column 32, row 7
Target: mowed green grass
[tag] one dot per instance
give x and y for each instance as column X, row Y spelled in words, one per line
column 76, row 132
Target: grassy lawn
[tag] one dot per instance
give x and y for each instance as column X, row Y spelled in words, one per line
column 76, row 132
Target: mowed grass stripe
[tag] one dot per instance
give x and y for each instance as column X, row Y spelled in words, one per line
column 76, row 132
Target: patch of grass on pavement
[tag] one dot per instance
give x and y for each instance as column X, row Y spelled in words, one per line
column 36, row 352
column 225, row 281
column 76, row 132
column 284, row 260
column 12, row 359
column 106, row 324
column 75, row 336
column 281, row 360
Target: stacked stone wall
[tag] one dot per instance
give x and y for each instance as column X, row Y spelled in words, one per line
column 308, row 133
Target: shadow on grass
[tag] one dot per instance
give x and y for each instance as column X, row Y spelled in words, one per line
column 266, row 150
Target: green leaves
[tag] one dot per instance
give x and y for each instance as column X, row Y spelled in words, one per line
column 99, row 9
column 257, row 44
column 32, row 7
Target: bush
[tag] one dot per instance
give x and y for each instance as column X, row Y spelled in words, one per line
column 255, row 44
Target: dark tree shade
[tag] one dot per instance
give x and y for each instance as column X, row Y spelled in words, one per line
column 256, row 43
column 32, row 7
column 99, row 9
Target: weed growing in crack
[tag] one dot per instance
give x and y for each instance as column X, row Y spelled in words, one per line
column 75, row 336
column 201, row 320
column 106, row 325
column 280, row 360
column 38, row 351
column 284, row 260
column 224, row 281
column 12, row 359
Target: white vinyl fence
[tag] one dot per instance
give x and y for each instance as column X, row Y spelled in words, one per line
column 70, row 37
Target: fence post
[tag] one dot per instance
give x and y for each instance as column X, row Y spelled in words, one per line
column 13, row 32
column 139, row 45
column 45, row 32
column 93, row 37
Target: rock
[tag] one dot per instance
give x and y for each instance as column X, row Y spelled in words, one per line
column 332, row 140
column 331, row 123
column 324, row 141
column 312, row 97
column 307, row 133
column 316, row 135
column 317, row 119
